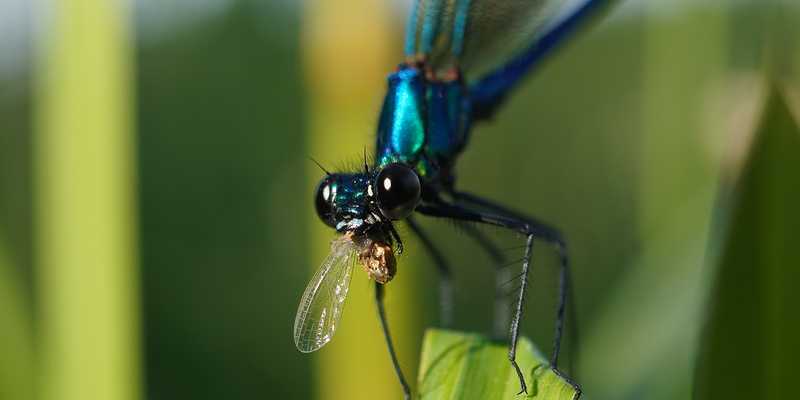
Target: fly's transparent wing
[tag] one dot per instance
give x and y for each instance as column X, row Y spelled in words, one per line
column 323, row 300
column 479, row 35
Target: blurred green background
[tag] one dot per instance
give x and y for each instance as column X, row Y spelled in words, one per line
column 631, row 140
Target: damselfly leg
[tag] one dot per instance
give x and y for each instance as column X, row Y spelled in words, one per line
column 445, row 275
column 551, row 235
column 379, row 291
column 486, row 212
column 502, row 278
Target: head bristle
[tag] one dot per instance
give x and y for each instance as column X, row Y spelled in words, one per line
column 366, row 166
column 355, row 165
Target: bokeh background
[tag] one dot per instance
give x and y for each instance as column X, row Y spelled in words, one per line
column 156, row 226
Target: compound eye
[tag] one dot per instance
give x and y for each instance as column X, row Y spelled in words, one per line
column 323, row 201
column 399, row 190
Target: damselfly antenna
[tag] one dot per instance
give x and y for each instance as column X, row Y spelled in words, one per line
column 319, row 165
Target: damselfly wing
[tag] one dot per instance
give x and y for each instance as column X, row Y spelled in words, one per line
column 480, row 35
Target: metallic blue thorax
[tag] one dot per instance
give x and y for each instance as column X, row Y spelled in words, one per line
column 423, row 123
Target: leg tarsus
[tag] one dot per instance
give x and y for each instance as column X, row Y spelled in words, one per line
column 566, row 378
column 523, row 387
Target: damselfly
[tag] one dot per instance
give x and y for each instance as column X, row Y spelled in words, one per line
column 445, row 85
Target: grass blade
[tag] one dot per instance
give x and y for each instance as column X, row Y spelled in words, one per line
column 750, row 348
column 457, row 365
column 85, row 213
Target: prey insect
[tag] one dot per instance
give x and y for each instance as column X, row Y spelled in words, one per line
column 433, row 99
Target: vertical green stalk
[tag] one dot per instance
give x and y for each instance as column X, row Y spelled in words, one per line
column 85, row 190
column 16, row 364
column 680, row 82
column 679, row 178
column 652, row 343
column 348, row 50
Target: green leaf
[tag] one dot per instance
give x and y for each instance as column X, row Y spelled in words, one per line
column 456, row 365
column 751, row 346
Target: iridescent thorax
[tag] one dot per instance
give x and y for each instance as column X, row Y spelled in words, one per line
column 423, row 122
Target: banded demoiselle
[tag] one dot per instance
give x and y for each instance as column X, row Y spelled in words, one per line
column 462, row 59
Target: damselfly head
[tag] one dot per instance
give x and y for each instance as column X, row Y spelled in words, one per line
column 362, row 207
column 342, row 202
column 357, row 202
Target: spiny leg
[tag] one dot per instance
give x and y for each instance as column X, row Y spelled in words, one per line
column 512, row 350
column 530, row 229
column 385, row 327
column 444, row 210
column 553, row 236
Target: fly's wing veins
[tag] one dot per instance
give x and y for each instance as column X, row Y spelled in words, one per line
column 323, row 300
